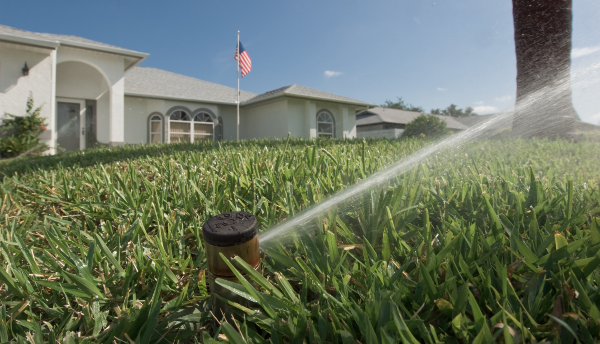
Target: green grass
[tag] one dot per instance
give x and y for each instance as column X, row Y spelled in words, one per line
column 497, row 240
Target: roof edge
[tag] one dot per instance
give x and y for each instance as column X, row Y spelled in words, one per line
column 29, row 41
column 128, row 94
column 53, row 44
column 282, row 94
column 117, row 51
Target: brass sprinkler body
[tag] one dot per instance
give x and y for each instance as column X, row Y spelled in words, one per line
column 233, row 234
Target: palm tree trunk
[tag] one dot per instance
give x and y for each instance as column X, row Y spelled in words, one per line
column 544, row 106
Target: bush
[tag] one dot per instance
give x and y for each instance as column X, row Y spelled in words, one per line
column 426, row 126
column 21, row 133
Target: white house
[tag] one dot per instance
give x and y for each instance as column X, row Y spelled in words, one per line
column 96, row 93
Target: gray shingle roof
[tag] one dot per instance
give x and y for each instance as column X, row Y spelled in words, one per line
column 386, row 115
column 64, row 39
column 152, row 82
column 11, row 31
column 297, row 90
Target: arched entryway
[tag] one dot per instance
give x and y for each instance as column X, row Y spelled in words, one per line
column 82, row 106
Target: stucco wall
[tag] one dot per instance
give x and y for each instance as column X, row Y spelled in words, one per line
column 15, row 87
column 229, row 115
column 137, row 110
column 79, row 80
column 381, row 133
column 270, row 120
column 351, row 123
column 103, row 118
column 267, row 120
column 372, row 127
column 296, row 121
column 302, row 118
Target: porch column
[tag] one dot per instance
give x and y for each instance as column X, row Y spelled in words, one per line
column 310, row 119
column 117, row 114
column 345, row 121
column 52, row 121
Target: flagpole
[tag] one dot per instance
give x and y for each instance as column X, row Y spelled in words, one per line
column 237, row 128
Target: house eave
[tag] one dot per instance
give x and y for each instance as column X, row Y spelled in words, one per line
column 29, row 41
column 305, row 97
column 116, row 51
column 128, row 94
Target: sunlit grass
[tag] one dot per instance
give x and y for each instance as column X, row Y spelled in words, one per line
column 106, row 244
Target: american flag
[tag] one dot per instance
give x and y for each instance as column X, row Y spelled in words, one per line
column 244, row 62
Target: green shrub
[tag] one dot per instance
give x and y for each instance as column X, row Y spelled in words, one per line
column 22, row 132
column 426, row 126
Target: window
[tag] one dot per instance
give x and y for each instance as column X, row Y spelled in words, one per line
column 180, row 126
column 184, row 127
column 203, row 127
column 156, row 129
column 325, row 124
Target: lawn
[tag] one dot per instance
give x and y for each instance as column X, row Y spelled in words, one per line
column 495, row 240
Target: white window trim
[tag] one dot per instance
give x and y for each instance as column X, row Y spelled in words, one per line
column 159, row 120
column 191, row 123
column 319, row 133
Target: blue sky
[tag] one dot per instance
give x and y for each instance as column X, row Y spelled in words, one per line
column 431, row 53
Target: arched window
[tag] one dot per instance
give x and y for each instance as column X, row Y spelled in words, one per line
column 180, row 126
column 155, row 129
column 203, row 127
column 188, row 126
column 325, row 124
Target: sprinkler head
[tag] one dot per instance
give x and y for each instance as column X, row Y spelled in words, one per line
column 233, row 234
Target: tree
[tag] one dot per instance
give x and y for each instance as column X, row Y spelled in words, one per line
column 425, row 126
column 21, row 132
column 544, row 106
column 401, row 105
column 454, row 111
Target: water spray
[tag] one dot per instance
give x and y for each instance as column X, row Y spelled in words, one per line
column 232, row 234
column 527, row 107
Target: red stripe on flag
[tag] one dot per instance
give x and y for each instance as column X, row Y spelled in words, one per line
column 244, row 61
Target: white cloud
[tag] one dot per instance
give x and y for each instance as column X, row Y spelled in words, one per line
column 485, row 109
column 579, row 52
column 503, row 98
column 442, row 89
column 479, row 102
column 330, row 73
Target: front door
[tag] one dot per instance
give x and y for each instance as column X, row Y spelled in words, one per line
column 70, row 124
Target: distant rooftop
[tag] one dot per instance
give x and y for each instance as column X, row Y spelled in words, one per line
column 387, row 115
column 306, row 92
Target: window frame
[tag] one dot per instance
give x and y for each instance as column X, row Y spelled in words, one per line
column 189, row 132
column 323, row 134
column 212, row 122
column 162, row 127
column 192, row 121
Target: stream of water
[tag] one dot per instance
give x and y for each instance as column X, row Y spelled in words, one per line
column 347, row 198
